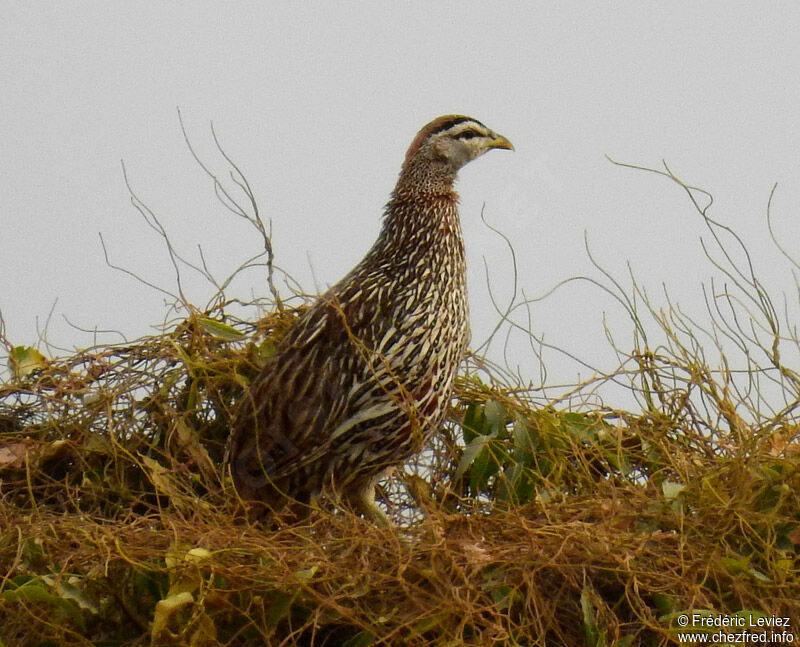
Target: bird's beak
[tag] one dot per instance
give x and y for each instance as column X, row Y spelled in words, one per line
column 501, row 142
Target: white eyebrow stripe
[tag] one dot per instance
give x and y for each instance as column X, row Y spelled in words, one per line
column 465, row 126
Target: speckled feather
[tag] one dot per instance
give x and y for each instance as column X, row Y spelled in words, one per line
column 363, row 378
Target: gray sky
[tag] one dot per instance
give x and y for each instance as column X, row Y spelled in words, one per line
column 317, row 104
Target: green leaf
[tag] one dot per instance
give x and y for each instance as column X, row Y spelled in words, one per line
column 470, row 453
column 280, row 606
column 480, row 470
column 148, row 583
column 672, row 490
column 429, row 623
column 579, row 426
column 35, row 590
column 664, row 603
column 495, row 416
column 474, row 423
column 517, row 484
column 306, row 574
column 503, row 596
column 549, row 430
column 617, row 458
column 194, row 396
column 69, row 591
column 266, row 349
column 736, row 565
column 167, row 608
column 590, row 629
column 24, row 360
column 524, row 445
column 219, row 329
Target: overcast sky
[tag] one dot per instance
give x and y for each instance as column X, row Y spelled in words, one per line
column 317, row 102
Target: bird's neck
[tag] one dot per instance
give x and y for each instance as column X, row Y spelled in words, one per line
column 422, row 224
column 424, row 178
column 421, row 227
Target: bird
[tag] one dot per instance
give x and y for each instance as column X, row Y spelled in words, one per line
column 363, row 377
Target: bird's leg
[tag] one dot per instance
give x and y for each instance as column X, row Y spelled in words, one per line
column 362, row 499
column 365, row 503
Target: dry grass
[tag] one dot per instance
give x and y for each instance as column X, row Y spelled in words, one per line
column 119, row 529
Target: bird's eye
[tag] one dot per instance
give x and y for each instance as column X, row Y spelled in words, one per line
column 467, row 134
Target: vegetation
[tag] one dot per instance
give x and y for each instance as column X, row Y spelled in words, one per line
column 529, row 521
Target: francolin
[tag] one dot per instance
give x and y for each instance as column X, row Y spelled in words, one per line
column 364, row 376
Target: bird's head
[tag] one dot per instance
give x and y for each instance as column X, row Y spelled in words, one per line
column 451, row 141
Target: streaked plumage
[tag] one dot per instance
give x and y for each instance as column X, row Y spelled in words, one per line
column 363, row 377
